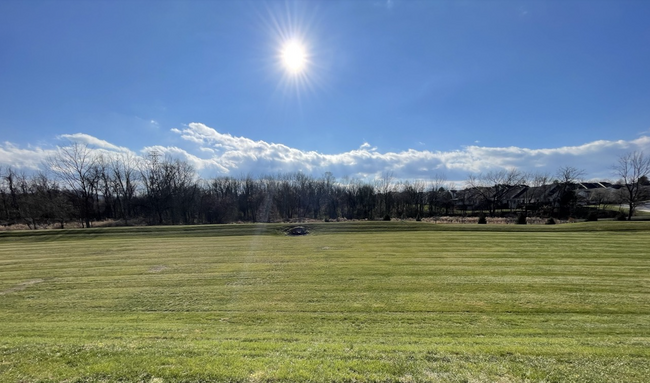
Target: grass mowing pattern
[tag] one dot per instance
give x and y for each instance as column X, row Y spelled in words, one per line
column 351, row 302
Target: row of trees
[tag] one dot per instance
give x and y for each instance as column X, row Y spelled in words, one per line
column 85, row 187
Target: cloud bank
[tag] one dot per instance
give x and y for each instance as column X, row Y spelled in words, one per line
column 213, row 154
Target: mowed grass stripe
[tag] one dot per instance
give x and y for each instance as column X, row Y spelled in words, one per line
column 569, row 303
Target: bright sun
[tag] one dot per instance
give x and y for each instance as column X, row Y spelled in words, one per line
column 294, row 57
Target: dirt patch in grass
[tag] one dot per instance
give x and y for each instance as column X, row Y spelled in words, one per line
column 21, row 286
column 157, row 269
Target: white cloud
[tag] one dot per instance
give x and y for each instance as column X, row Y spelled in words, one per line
column 200, row 164
column 34, row 157
column 30, row 158
column 91, row 141
column 213, row 153
column 243, row 155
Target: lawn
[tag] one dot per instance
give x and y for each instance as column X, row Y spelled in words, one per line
column 365, row 302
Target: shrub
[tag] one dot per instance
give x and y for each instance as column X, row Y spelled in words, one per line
column 481, row 219
column 550, row 221
column 387, row 217
column 621, row 216
column 592, row 216
column 521, row 219
column 418, row 219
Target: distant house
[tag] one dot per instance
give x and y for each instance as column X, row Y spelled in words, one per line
column 540, row 195
column 532, row 197
column 515, row 197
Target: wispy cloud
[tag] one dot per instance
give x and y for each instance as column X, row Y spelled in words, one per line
column 388, row 4
column 214, row 153
column 89, row 140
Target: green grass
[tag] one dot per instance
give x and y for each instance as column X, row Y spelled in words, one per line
column 368, row 302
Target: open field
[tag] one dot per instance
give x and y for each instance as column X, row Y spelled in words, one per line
column 375, row 301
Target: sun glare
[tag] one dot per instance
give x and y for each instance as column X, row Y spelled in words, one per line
column 294, row 57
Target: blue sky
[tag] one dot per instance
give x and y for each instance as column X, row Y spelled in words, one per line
column 416, row 88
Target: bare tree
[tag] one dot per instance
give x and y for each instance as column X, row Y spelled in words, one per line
column 413, row 198
column 101, row 194
column 569, row 175
column 632, row 167
column 330, row 202
column 9, row 193
column 184, row 192
column 385, row 188
column 567, row 179
column 155, row 175
column 124, row 182
column 223, row 197
column 170, row 188
column 492, row 186
column 438, row 195
column 4, row 200
column 540, row 179
column 56, row 202
column 74, row 165
column 600, row 197
column 420, row 198
column 366, row 199
column 41, row 201
column 537, row 185
column 29, row 206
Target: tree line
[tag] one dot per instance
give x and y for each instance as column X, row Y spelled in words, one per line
column 81, row 186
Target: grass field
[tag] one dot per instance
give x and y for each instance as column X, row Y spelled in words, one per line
column 366, row 302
